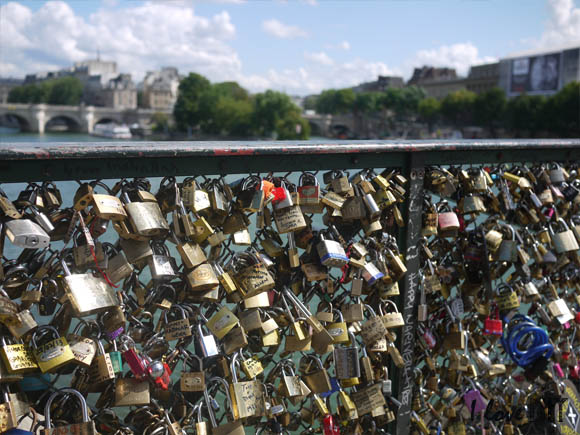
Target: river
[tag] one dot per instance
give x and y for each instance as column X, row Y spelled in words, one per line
column 8, row 135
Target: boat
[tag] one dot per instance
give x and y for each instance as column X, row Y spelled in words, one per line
column 112, row 131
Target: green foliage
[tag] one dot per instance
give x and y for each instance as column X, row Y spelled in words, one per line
column 489, row 108
column 365, row 103
column 269, row 108
column 310, row 102
column 292, row 127
column 457, row 107
column 160, row 122
column 525, row 113
column 188, row 111
column 63, row 91
column 335, row 101
column 429, row 110
column 403, row 102
column 564, row 111
column 66, row 91
column 228, row 109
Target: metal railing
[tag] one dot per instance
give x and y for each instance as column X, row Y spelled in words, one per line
column 24, row 162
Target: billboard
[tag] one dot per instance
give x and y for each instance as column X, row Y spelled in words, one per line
column 537, row 74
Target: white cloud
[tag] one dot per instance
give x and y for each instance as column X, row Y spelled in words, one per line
column 139, row 38
column 563, row 25
column 321, row 58
column 459, row 56
column 316, row 76
column 310, row 2
column 284, row 31
column 344, row 45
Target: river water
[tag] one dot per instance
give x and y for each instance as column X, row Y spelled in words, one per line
column 8, row 135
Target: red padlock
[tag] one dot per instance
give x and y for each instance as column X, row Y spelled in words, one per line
column 493, row 326
column 575, row 372
column 160, row 374
column 577, row 318
column 330, row 427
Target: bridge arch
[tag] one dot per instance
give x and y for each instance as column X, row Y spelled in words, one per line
column 108, row 120
column 14, row 119
column 72, row 123
column 315, row 129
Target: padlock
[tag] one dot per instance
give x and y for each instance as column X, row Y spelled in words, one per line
column 493, row 326
column 161, row 264
column 52, row 354
column 564, row 241
column 202, row 278
column 176, row 323
column 247, row 397
column 346, row 360
column 101, row 370
column 316, row 377
column 146, row 217
column 447, row 220
column 17, row 359
column 87, row 293
column 26, row 234
column 131, row 392
column 391, row 320
column 87, row 426
column 331, row 252
column 207, row 343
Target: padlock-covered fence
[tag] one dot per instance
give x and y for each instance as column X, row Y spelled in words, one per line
column 306, row 287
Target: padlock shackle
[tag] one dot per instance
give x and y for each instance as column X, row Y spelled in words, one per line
column 84, row 408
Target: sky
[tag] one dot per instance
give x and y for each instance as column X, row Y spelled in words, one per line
column 297, row 46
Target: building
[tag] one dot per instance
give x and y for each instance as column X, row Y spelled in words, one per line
column 102, row 84
column 6, row 85
column 539, row 72
column 105, row 70
column 381, row 84
column 482, row 78
column 119, row 92
column 437, row 82
column 160, row 88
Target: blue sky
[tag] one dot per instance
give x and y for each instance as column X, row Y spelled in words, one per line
column 299, row 46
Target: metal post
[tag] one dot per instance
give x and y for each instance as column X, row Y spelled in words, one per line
column 410, row 287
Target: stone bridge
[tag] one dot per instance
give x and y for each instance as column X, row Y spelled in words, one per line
column 36, row 117
column 329, row 125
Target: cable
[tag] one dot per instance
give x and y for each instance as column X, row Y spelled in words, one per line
column 517, row 335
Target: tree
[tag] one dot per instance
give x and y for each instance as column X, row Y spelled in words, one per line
column 564, row 109
column 457, row 107
column 335, row 101
column 219, row 97
column 66, row 91
column 233, row 117
column 364, row 104
column 160, row 122
column 187, row 111
column 524, row 114
column 489, row 109
column 430, row 110
column 293, row 127
column 269, row 108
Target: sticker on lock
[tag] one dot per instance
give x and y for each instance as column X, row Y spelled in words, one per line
column 51, row 353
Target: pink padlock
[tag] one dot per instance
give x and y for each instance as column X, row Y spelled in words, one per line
column 558, row 370
column 474, row 401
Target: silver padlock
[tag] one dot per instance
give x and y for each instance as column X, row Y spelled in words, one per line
column 27, row 234
column 331, row 253
column 346, row 361
column 42, row 219
column 161, row 263
column 208, row 344
column 564, row 241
